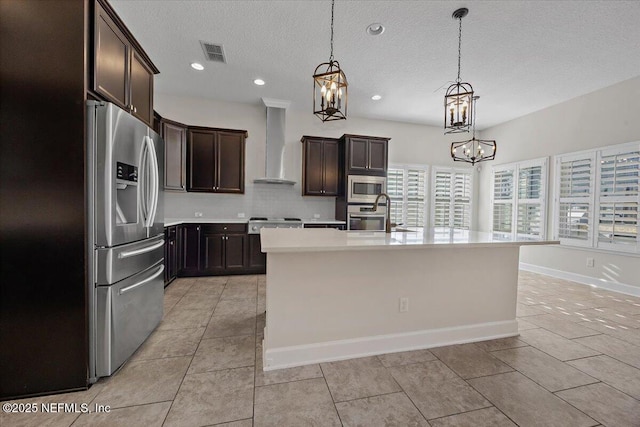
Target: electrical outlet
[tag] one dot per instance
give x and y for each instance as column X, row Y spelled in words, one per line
column 590, row 262
column 240, row 214
column 198, row 214
column 404, row 305
column 316, row 216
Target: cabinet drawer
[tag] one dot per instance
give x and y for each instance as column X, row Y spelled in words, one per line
column 225, row 228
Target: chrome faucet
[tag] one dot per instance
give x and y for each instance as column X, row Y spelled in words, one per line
column 387, row 225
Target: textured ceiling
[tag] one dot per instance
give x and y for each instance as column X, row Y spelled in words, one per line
column 520, row 56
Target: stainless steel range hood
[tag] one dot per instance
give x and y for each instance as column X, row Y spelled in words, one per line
column 274, row 153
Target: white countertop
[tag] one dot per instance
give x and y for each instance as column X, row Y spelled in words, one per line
column 316, row 240
column 168, row 222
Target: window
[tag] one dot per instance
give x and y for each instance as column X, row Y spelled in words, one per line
column 597, row 203
column 519, row 195
column 451, row 194
column 406, row 185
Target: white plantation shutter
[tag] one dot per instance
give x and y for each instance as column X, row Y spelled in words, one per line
column 519, row 199
column 452, row 191
column 503, row 200
column 531, row 200
column 618, row 198
column 462, row 201
column 442, row 199
column 598, row 198
column 414, row 206
column 395, row 190
column 575, row 199
column 406, row 185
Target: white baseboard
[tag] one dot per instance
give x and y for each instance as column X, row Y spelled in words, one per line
column 585, row 280
column 287, row 357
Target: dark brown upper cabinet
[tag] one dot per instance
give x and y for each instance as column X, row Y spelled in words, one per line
column 215, row 160
column 123, row 73
column 320, row 166
column 366, row 155
column 175, row 154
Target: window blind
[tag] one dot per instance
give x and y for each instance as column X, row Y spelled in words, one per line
column 451, row 198
column 406, row 186
column 576, row 214
column 519, row 198
column 598, row 198
column 618, row 199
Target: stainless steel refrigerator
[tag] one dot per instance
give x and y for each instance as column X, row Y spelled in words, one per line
column 125, row 161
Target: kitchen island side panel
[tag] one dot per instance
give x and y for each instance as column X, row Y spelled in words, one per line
column 324, row 299
column 43, row 327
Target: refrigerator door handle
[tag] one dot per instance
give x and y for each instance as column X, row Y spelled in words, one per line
column 141, row 250
column 143, row 184
column 142, row 282
column 152, row 201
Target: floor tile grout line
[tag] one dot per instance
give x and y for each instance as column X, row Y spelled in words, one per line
column 599, row 381
column 472, row 410
column 333, row 400
column 373, row 395
column 188, row 367
column 492, row 403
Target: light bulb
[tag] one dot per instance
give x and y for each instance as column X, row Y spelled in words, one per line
column 328, row 95
column 340, row 93
column 333, row 86
column 324, row 89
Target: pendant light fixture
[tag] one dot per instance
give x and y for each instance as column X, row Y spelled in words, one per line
column 473, row 150
column 458, row 99
column 330, row 87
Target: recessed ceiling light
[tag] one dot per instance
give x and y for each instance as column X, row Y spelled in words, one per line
column 259, row 82
column 375, row 29
column 197, row 66
column 376, row 97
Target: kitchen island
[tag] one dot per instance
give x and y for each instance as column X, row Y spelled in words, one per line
column 334, row 295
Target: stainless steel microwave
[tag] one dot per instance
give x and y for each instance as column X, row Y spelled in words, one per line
column 364, row 188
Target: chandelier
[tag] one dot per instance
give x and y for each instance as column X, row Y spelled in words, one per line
column 330, row 87
column 458, row 99
column 473, row 150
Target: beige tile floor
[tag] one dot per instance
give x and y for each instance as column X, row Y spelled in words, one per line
column 576, row 363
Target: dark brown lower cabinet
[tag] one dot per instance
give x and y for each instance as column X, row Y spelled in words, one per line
column 223, row 249
column 170, row 254
column 213, row 254
column 235, row 249
column 217, row 249
column 257, row 259
column 189, row 245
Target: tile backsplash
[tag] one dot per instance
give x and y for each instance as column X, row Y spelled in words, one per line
column 270, row 200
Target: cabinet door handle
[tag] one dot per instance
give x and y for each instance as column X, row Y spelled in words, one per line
column 135, row 110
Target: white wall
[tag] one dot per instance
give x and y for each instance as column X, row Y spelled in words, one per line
column 606, row 117
column 410, row 144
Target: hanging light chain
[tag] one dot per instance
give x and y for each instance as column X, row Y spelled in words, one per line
column 459, row 45
column 331, row 56
column 474, row 115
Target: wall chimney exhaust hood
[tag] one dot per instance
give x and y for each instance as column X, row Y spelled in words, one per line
column 274, row 153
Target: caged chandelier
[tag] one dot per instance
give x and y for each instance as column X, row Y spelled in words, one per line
column 458, row 114
column 474, row 150
column 330, row 87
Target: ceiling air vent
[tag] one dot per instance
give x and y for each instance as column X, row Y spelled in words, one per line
column 213, row 52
